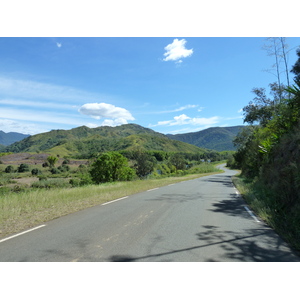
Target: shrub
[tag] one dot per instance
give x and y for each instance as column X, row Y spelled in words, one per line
column 52, row 160
column 36, row 171
column 23, row 168
column 9, row 169
column 75, row 182
column 51, row 183
column 55, row 171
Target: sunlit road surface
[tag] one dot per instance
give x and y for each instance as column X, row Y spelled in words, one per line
column 201, row 220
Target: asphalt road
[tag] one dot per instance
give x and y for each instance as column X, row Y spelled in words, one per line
column 200, row 220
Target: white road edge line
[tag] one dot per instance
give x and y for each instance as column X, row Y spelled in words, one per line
column 152, row 189
column 114, row 200
column 13, row 236
column 251, row 214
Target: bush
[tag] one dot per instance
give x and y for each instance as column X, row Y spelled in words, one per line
column 64, row 168
column 55, row 171
column 9, row 169
column 35, row 172
column 23, row 168
column 75, row 182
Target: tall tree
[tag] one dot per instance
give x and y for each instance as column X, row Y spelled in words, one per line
column 296, row 68
column 277, row 47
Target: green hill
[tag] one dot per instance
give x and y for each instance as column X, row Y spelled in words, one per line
column 214, row 138
column 83, row 141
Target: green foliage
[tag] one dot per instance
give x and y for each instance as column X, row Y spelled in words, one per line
column 9, row 169
column 215, row 138
column 52, row 160
column 36, row 171
column 111, row 166
column 85, row 143
column 55, row 171
column 23, row 168
column 178, row 161
column 269, row 155
column 51, row 183
column 144, row 163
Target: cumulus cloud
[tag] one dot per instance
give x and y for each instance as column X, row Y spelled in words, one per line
column 176, row 51
column 184, row 119
column 116, row 115
column 9, row 125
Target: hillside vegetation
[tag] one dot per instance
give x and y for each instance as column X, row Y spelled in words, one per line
column 269, row 157
column 84, row 142
column 216, row 138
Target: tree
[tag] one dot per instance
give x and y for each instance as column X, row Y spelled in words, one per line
column 144, row 163
column 52, row 160
column 262, row 109
column 177, row 160
column 296, row 68
column 109, row 167
column 277, row 47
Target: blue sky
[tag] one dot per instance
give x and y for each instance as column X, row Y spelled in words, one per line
column 169, row 84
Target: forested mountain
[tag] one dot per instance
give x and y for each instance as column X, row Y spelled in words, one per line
column 215, row 138
column 83, row 141
column 11, row 137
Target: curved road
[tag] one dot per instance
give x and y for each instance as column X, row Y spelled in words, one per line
column 204, row 219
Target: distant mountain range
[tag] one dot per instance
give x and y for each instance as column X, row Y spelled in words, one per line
column 82, row 141
column 11, row 137
column 216, row 138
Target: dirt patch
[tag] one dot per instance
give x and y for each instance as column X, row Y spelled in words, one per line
column 34, row 159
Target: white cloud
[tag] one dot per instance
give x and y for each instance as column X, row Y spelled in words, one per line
column 58, row 45
column 117, row 115
column 36, row 104
column 184, row 119
column 185, row 107
column 188, row 106
column 29, row 89
column 8, row 125
column 176, row 51
column 113, row 123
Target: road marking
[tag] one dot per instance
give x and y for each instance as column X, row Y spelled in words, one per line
column 13, row 236
column 152, row 189
column 251, row 214
column 114, row 200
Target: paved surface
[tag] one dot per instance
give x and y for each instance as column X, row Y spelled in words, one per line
column 197, row 220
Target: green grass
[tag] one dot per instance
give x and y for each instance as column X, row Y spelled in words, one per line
column 31, row 207
column 285, row 221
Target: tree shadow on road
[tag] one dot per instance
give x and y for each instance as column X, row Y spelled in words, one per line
column 252, row 245
column 224, row 179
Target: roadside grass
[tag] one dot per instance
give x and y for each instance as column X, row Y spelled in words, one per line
column 285, row 221
column 31, row 207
